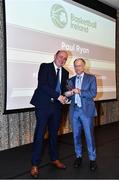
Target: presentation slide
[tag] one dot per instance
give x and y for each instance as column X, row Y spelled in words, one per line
column 36, row 29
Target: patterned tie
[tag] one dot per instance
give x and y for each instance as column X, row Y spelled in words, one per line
column 77, row 96
column 58, row 85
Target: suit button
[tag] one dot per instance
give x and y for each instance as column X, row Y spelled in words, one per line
column 52, row 100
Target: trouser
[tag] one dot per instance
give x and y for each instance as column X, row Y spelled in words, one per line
column 79, row 120
column 46, row 118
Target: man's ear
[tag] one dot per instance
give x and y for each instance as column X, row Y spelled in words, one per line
column 54, row 56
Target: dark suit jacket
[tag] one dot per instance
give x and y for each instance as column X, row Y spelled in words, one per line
column 46, row 85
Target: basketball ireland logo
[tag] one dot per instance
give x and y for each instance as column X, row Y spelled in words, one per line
column 59, row 16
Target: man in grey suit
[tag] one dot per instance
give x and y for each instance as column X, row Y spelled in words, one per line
column 82, row 89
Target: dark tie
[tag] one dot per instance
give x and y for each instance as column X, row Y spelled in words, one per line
column 58, row 85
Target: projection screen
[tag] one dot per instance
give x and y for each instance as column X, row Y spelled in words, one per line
column 36, row 29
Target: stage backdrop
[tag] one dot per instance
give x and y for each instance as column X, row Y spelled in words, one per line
column 35, row 30
column 17, row 129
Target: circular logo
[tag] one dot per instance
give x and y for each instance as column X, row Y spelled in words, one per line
column 59, row 16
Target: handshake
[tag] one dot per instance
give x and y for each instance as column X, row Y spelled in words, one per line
column 64, row 98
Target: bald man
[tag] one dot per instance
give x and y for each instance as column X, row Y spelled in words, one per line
column 48, row 99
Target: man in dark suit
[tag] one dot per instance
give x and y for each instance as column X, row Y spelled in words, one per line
column 82, row 111
column 48, row 100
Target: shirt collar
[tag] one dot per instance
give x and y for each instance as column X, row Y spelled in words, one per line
column 55, row 66
column 80, row 75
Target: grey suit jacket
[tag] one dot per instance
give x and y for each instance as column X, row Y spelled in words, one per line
column 88, row 93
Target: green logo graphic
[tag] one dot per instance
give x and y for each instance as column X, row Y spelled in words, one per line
column 59, row 16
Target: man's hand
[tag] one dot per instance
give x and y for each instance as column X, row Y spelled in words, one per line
column 76, row 90
column 62, row 99
column 68, row 93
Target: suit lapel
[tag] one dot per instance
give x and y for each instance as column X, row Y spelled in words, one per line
column 62, row 78
column 84, row 80
column 73, row 80
column 52, row 68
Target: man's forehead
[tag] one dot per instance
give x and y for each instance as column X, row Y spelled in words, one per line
column 79, row 61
